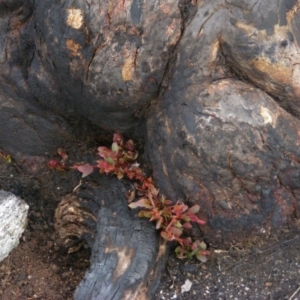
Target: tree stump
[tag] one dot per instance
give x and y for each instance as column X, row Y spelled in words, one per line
column 210, row 87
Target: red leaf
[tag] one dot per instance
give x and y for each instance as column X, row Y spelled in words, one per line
column 194, row 218
column 118, row 138
column 130, row 145
column 205, row 252
column 187, row 225
column 201, row 222
column 187, row 241
column 179, row 208
column 194, row 246
column 105, row 167
column 104, row 151
column 129, row 173
column 52, row 163
column 55, row 165
column 85, row 169
column 155, row 215
column 202, row 257
column 176, row 231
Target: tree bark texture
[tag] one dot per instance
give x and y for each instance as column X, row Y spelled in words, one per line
column 127, row 258
column 222, row 141
column 211, row 87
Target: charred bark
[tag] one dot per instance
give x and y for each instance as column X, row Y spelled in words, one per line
column 216, row 137
column 127, row 258
column 212, row 87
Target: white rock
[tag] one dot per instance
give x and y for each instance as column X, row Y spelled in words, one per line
column 186, row 286
column 13, row 220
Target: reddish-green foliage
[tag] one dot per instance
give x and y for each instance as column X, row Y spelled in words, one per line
column 190, row 249
column 58, row 165
column 119, row 160
column 171, row 219
column 85, row 169
column 54, row 164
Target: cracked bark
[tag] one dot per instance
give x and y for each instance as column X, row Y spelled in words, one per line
column 127, row 258
column 210, row 86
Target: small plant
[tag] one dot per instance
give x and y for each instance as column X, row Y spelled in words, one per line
column 58, row 165
column 192, row 249
column 6, row 157
column 54, row 164
column 171, row 219
column 120, row 159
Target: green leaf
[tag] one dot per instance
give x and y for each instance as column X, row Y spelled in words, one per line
column 201, row 257
column 176, row 231
column 8, row 159
column 202, row 245
column 159, row 222
column 144, row 214
column 177, row 224
column 144, row 202
column 115, row 147
column 180, row 252
column 186, row 218
column 109, row 160
column 133, row 205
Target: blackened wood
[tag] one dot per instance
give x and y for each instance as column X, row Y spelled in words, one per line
column 225, row 144
column 127, row 258
column 220, row 80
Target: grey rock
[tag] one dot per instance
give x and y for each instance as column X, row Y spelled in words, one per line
column 13, row 220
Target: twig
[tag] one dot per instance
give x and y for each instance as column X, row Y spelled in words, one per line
column 298, row 289
column 77, row 186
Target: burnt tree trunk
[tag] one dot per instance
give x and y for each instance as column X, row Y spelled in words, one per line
column 211, row 88
column 127, row 259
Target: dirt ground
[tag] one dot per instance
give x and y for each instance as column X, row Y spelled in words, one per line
column 268, row 270
column 40, row 269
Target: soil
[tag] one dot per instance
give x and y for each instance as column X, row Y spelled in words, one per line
column 39, row 268
column 268, row 269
